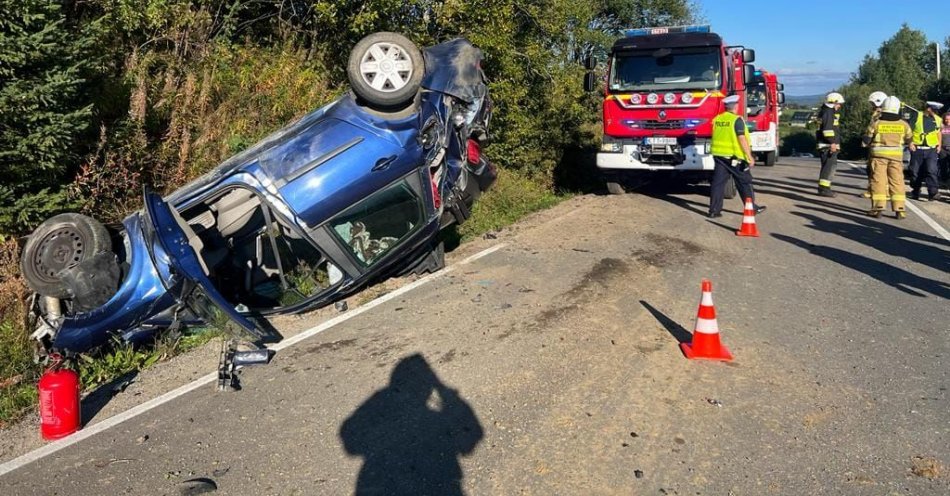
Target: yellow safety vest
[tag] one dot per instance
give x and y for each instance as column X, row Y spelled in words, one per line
column 725, row 143
column 926, row 139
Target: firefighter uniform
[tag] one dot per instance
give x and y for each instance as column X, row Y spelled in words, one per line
column 887, row 138
column 875, row 116
column 730, row 158
column 923, row 162
column 828, row 136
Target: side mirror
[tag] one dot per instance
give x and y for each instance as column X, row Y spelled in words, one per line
column 748, row 55
column 589, row 82
column 590, row 63
column 781, row 98
column 780, row 87
column 748, row 73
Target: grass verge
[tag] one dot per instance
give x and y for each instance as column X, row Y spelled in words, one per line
column 512, row 197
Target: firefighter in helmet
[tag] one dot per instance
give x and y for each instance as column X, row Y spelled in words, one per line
column 887, row 138
column 829, row 141
column 733, row 157
column 923, row 161
column 876, row 99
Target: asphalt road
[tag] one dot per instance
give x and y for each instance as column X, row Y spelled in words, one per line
column 551, row 366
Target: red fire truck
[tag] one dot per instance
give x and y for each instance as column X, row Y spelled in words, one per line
column 763, row 100
column 664, row 88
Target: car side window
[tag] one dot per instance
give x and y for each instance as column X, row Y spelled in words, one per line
column 378, row 223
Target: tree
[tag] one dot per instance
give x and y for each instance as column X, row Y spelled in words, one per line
column 42, row 109
column 902, row 67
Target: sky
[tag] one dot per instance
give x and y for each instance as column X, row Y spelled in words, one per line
column 815, row 45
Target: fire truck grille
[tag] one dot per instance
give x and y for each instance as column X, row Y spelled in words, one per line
column 671, row 124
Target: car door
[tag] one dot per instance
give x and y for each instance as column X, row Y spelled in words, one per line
column 178, row 241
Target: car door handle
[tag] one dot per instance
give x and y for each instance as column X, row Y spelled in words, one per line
column 384, row 163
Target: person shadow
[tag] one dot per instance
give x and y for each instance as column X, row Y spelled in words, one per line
column 411, row 434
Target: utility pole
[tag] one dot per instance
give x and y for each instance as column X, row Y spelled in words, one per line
column 937, row 46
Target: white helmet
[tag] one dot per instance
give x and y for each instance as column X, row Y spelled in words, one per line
column 877, row 98
column 833, row 98
column 891, row 105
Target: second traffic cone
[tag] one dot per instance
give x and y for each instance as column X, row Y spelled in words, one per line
column 748, row 221
column 705, row 344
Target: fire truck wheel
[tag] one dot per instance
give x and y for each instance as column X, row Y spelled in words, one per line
column 730, row 192
column 769, row 159
column 615, row 188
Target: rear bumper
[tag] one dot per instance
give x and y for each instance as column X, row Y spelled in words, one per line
column 693, row 158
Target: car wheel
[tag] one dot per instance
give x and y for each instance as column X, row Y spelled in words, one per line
column 59, row 243
column 769, row 159
column 385, row 70
column 730, row 189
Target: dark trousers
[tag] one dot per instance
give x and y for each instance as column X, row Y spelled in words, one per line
column 741, row 173
column 829, row 163
column 923, row 169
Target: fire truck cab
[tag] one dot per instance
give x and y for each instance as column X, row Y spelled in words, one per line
column 664, row 87
column 764, row 98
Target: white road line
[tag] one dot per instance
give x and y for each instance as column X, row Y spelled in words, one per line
column 923, row 215
column 115, row 420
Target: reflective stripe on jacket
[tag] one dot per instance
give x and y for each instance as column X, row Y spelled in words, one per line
column 725, row 142
column 926, row 139
column 888, row 139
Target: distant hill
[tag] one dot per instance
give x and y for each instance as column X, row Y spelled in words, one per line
column 804, row 100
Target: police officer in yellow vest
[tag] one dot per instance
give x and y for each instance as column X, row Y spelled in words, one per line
column 923, row 162
column 887, row 137
column 733, row 157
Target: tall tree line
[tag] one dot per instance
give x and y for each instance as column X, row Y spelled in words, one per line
column 904, row 66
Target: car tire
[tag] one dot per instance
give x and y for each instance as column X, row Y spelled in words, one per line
column 615, row 188
column 61, row 242
column 385, row 70
column 769, row 160
column 730, row 189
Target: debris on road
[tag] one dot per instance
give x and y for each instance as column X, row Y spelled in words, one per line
column 926, row 466
column 713, row 401
column 638, row 474
column 142, row 439
column 341, row 306
column 200, row 485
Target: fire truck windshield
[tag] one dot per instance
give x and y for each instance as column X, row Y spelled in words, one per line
column 756, row 97
column 667, row 68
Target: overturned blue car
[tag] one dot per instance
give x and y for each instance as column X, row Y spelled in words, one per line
column 350, row 194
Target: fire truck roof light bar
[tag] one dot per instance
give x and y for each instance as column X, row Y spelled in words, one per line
column 667, row 30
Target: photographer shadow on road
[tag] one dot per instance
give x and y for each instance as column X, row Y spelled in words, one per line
column 411, row 433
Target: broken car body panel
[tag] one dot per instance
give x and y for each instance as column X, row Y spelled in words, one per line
column 343, row 196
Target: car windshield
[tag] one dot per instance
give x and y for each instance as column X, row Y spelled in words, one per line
column 666, row 68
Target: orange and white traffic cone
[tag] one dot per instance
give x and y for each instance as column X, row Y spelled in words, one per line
column 706, row 345
column 748, row 221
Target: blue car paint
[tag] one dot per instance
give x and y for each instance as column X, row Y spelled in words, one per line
column 140, row 293
column 315, row 193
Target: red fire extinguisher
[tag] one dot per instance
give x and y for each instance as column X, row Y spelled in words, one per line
column 59, row 401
